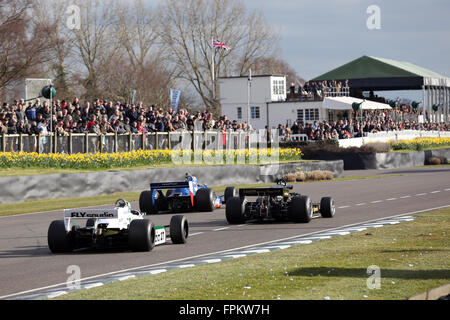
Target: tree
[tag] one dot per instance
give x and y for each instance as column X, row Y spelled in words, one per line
column 272, row 65
column 95, row 42
column 188, row 28
column 24, row 41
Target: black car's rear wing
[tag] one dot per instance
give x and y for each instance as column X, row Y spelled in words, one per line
column 168, row 185
column 269, row 191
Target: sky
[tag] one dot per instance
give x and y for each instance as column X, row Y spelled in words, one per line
column 320, row 35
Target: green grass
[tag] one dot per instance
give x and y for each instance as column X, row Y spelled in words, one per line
column 413, row 257
column 8, row 209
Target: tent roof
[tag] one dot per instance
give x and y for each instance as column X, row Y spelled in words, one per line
column 345, row 103
column 383, row 74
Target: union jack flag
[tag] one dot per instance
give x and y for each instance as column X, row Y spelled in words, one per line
column 220, row 45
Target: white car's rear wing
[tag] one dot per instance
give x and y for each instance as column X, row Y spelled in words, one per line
column 91, row 213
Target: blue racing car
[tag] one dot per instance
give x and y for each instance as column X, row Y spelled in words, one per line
column 184, row 196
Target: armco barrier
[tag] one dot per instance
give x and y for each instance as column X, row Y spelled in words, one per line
column 389, row 160
column 19, row 189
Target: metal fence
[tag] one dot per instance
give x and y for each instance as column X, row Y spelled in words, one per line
column 109, row 143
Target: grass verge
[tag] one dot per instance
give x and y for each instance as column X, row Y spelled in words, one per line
column 8, row 209
column 412, row 256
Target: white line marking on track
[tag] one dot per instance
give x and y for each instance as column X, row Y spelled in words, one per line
column 361, row 204
column 391, row 199
column 420, row 194
column 448, row 189
column 195, row 234
column 404, row 197
column 437, row 191
column 356, row 224
column 376, row 201
column 343, row 207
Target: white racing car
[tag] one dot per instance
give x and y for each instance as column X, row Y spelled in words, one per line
column 112, row 227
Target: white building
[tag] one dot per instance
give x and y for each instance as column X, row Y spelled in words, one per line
column 268, row 105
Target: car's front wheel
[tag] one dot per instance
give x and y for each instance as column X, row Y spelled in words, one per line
column 327, row 208
column 141, row 235
column 179, row 229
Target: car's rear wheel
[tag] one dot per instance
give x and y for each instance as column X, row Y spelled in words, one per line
column 146, row 203
column 141, row 235
column 327, row 208
column 301, row 209
column 204, row 200
column 229, row 193
column 59, row 240
column 179, row 229
column 235, row 210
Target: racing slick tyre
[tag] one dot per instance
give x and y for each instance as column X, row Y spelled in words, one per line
column 301, row 209
column 179, row 229
column 59, row 241
column 146, row 203
column 234, row 210
column 327, row 209
column 141, row 235
column 204, row 200
column 230, row 192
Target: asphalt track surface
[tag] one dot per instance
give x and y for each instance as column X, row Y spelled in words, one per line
column 26, row 263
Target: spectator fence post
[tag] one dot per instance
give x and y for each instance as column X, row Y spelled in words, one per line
column 100, row 142
column 116, row 145
column 55, row 143
column 4, row 142
column 86, row 142
column 169, row 143
column 130, row 141
column 143, row 140
column 39, row 143
column 157, row 141
column 70, row 143
column 20, row 142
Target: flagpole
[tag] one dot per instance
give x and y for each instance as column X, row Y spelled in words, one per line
column 213, row 71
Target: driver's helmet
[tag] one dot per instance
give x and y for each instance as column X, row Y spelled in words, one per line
column 194, row 180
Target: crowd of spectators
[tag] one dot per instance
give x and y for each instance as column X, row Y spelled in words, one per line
column 373, row 121
column 318, row 90
column 102, row 117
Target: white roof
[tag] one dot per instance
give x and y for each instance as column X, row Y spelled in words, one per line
column 345, row 103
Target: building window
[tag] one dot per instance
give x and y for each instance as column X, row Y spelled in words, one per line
column 278, row 87
column 300, row 117
column 330, row 116
column 239, row 112
column 254, row 112
column 307, row 115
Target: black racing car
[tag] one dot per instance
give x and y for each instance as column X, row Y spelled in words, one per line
column 274, row 203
